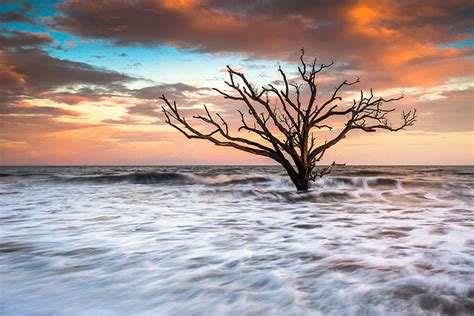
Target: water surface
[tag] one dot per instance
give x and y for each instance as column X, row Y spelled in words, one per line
column 235, row 241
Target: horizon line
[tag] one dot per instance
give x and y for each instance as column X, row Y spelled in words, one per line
column 232, row 165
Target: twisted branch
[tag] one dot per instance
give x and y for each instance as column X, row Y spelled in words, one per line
column 296, row 149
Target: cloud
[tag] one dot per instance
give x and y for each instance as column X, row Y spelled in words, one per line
column 18, row 15
column 92, row 93
column 384, row 40
column 37, row 125
column 123, row 121
column 28, row 109
column 149, row 104
column 16, row 39
column 45, row 72
column 145, row 109
column 171, row 90
column 31, row 81
column 27, row 71
column 184, row 24
column 451, row 113
column 259, row 26
column 416, row 46
column 9, row 76
column 33, row 74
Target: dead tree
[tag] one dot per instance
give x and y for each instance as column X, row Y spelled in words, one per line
column 285, row 131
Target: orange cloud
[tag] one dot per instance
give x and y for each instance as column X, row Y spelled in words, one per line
column 381, row 39
column 393, row 45
column 9, row 75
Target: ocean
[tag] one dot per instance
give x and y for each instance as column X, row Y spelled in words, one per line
column 236, row 240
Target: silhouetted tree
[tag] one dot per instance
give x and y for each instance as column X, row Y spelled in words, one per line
column 285, row 131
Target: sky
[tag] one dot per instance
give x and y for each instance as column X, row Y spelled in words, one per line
column 80, row 80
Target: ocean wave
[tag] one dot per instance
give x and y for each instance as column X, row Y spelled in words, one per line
column 358, row 182
column 232, row 180
column 255, row 178
column 370, row 173
column 23, row 174
column 136, row 178
column 282, row 195
column 171, row 178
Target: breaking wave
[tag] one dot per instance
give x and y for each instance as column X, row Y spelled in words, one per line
column 135, row 178
column 171, row 178
column 347, row 180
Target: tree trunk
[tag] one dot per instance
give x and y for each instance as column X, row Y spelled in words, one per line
column 300, row 182
column 299, row 178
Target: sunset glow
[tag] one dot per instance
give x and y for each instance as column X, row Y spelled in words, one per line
column 80, row 80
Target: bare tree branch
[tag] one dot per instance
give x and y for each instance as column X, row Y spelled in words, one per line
column 285, row 131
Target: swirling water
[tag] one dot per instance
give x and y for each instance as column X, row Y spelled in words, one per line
column 235, row 241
